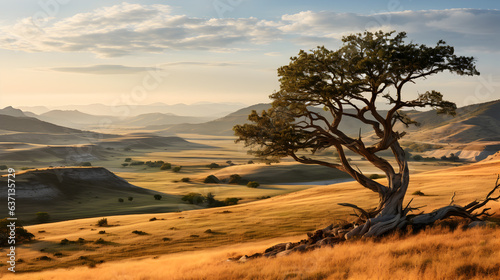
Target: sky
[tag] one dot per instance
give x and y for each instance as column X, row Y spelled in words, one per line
column 61, row 52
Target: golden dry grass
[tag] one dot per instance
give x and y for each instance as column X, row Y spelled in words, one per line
column 283, row 217
column 433, row 254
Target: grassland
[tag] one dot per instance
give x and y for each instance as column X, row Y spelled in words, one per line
column 250, row 227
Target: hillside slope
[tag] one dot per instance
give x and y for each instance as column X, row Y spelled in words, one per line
column 80, row 192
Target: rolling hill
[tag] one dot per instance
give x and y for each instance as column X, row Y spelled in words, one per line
column 80, row 192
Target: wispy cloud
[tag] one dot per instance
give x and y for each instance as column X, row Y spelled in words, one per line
column 104, row 69
column 126, row 29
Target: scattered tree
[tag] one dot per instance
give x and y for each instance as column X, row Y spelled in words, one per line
column 177, row 169
column 3, row 167
column 166, row 166
column 22, row 235
column 120, row 200
column 213, row 165
column 253, row 184
column 124, row 164
column 349, row 83
column 211, row 179
column 157, row 197
column 128, row 159
column 130, row 198
column 102, row 222
column 85, row 163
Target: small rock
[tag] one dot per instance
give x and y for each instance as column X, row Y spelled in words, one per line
column 288, row 246
column 477, row 224
column 243, row 259
column 283, row 253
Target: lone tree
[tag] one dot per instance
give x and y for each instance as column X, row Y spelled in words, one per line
column 349, row 83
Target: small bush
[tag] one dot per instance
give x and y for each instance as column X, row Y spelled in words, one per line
column 234, row 179
column 185, row 180
column 42, row 217
column 124, row 164
column 177, row 168
column 3, row 167
column 137, row 163
column 138, row 232
column 166, row 239
column 166, row 166
column 85, row 163
column 157, row 197
column 102, row 232
column 22, row 235
column 250, row 162
column 419, row 193
column 102, row 222
column 211, row 179
column 194, row 198
column 376, row 176
column 130, row 198
column 230, row 162
column 253, row 184
column 213, row 165
column 263, row 197
column 231, row 201
column 100, row 241
column 120, row 200
column 128, row 159
column 65, row 241
column 417, row 158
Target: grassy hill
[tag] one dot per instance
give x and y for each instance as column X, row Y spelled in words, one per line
column 80, row 192
column 264, row 223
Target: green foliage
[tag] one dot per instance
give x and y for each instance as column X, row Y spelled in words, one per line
column 22, row 235
column 417, row 158
column 213, row 165
column 157, row 197
column 211, row 179
column 166, row 166
column 128, row 159
column 234, row 179
column 177, row 169
column 231, row 201
column 130, row 198
column 452, row 157
column 3, row 167
column 369, row 68
column 194, row 198
column 42, row 217
column 85, row 163
column 137, row 162
column 154, row 163
column 120, row 200
column 102, row 222
column 253, row 184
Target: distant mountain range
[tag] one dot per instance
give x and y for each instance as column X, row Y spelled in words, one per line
column 202, row 109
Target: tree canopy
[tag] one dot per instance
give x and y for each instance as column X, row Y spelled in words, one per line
column 369, row 68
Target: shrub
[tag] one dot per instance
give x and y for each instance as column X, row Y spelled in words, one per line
column 166, row 166
column 128, row 159
column 253, row 184
column 85, row 163
column 177, row 168
column 137, row 163
column 234, row 179
column 127, row 149
column 230, row 162
column 100, row 241
column 194, row 198
column 102, row 222
column 376, row 176
column 102, row 232
column 139, row 232
column 130, row 198
column 120, row 200
column 211, row 179
column 417, row 158
column 154, row 163
column 185, row 180
column 124, row 164
column 231, row 201
column 250, row 162
column 22, row 235
column 157, row 197
column 42, row 217
column 419, row 193
column 3, row 167
column 213, row 165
